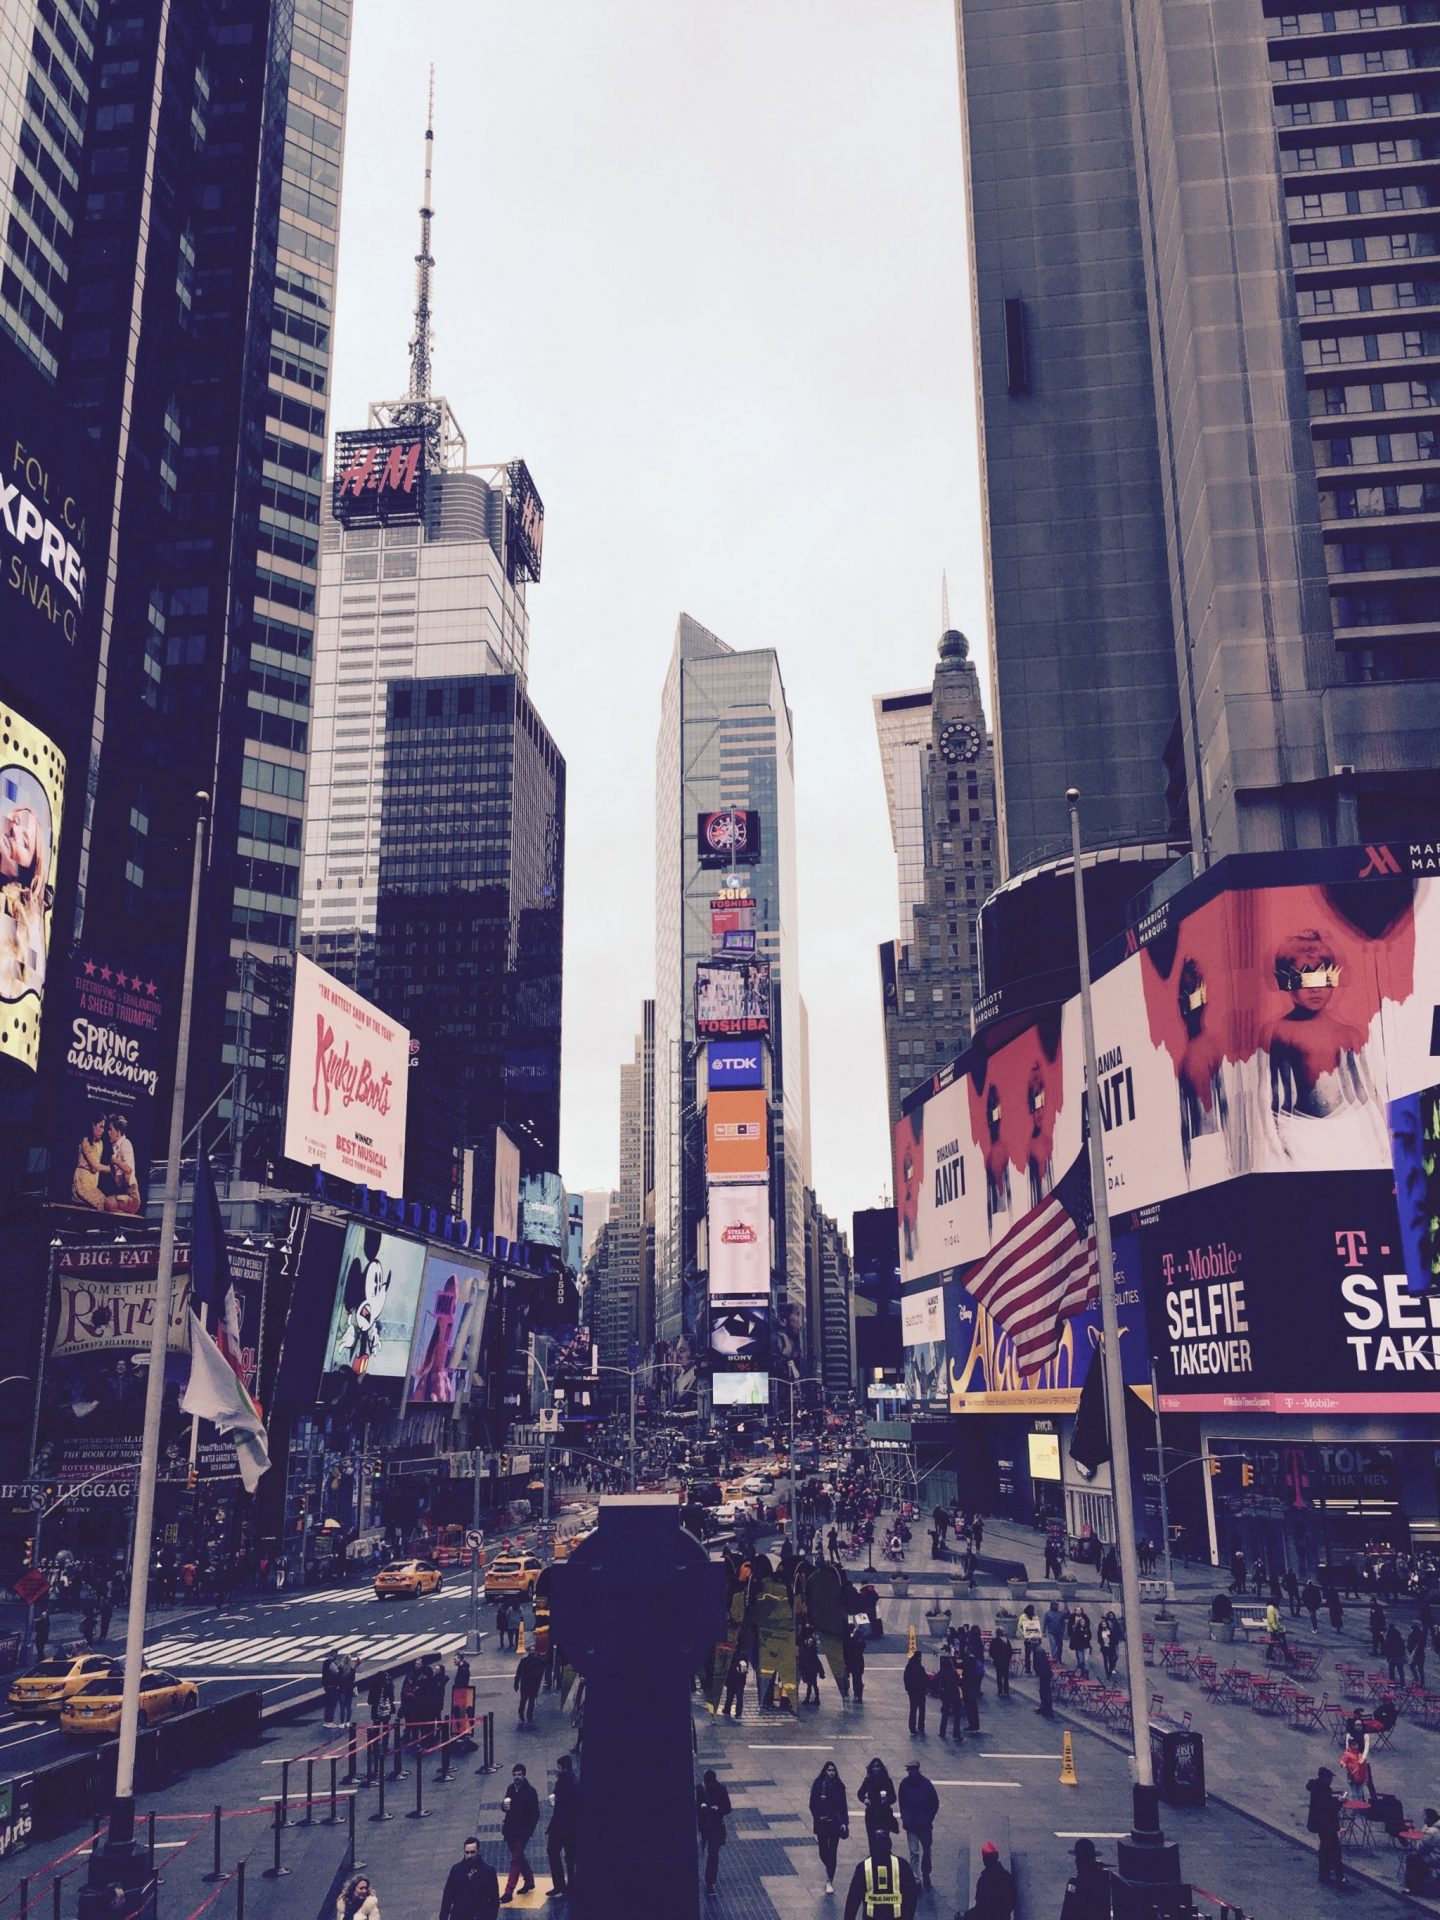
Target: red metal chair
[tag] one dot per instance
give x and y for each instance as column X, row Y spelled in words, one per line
column 1305, row 1715
column 1352, row 1681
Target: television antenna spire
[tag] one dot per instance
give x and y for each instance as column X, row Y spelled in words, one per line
column 421, row 345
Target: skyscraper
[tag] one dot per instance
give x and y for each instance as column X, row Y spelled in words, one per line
column 423, row 572
column 469, row 940
column 725, row 741
column 939, row 770
column 1200, row 239
column 632, row 1264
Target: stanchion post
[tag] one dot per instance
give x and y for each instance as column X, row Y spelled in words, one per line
column 309, row 1819
column 25, row 1898
column 419, row 1813
column 283, row 1803
column 275, row 1871
column 350, row 1765
column 215, row 1873
column 334, row 1782
column 380, row 1813
column 240, row 1890
column 152, row 1843
column 398, row 1772
column 352, row 1832
column 57, row 1908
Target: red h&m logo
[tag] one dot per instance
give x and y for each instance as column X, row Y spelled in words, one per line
column 381, row 471
column 1381, row 861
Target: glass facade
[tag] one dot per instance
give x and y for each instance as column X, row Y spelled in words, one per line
column 469, row 937
column 725, row 740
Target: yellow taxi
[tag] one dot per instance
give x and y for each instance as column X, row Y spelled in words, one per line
column 46, row 1688
column 95, row 1709
column 511, row 1575
column 405, row 1579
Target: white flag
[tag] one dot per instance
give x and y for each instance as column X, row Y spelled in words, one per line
column 216, row 1393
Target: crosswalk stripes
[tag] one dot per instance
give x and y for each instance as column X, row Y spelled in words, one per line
column 363, row 1596
column 293, row 1649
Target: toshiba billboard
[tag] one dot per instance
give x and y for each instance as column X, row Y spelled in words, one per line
column 735, row 1136
column 349, row 1067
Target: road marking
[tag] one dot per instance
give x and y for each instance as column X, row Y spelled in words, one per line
column 974, row 1783
column 1007, row 1756
column 1091, row 1834
column 784, row 1746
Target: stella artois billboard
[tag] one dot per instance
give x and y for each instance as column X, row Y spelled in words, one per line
column 349, row 1076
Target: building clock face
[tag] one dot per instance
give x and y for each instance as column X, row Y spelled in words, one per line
column 960, row 741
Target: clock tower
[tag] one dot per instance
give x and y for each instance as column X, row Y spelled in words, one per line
column 939, row 769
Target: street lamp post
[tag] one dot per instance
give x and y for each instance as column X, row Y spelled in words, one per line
column 806, row 1379
column 119, row 1859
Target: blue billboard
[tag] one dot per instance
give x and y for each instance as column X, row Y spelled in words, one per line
column 735, row 1063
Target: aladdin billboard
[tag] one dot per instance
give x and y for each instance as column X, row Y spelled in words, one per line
column 1256, row 1027
column 348, row 1083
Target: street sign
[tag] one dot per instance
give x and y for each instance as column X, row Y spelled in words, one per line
column 27, row 1493
column 31, row 1587
column 473, row 1539
column 549, row 1420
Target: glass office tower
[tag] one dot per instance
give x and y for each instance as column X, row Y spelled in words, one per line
column 725, row 741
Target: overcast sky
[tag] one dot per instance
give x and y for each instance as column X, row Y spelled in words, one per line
column 702, row 264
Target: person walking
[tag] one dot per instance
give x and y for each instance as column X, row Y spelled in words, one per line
column 40, row 1628
column 1054, row 1563
column 1109, row 1641
column 1029, row 1636
column 882, row 1887
column 1378, row 1624
column 1395, row 1653
column 521, row 1815
column 876, row 1794
column 1001, row 1654
column 807, row 1666
column 1081, row 1640
column 917, row 1686
column 1237, row 1572
column 529, row 1672
column 972, row 1673
column 1054, row 1625
column 106, row 1611
column 712, row 1810
column 1323, row 1820
column 345, row 1693
column 1110, row 1569
column 829, row 1818
column 853, row 1648
column 1046, row 1679
column 357, row 1899
column 995, row 1897
column 564, row 1825
column 1310, row 1598
column 472, row 1887
column 1290, row 1580
column 1087, row 1892
column 951, row 1699
column 1417, row 1646
column 330, row 1685
column 832, row 1543
column 919, row 1804
column 1334, row 1609
column 502, row 1626
column 380, row 1697
column 735, row 1687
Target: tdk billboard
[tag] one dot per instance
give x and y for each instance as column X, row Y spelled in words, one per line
column 735, row 1063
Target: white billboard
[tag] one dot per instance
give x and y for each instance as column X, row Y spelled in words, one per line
column 348, row 1083
column 739, row 1242
column 505, row 1219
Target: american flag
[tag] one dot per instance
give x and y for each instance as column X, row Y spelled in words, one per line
column 1043, row 1270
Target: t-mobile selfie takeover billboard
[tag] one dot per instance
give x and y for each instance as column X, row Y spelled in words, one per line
column 1261, row 1022
column 348, row 1083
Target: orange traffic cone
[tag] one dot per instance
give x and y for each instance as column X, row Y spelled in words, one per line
column 520, row 1645
column 913, row 1645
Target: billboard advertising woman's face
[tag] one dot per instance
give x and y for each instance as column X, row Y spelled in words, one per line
column 32, row 794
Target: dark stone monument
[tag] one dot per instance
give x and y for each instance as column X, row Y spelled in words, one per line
column 637, row 1608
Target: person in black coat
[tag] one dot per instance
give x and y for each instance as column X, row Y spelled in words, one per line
column 917, row 1685
column 1044, row 1675
column 995, row 1897
column 472, row 1888
column 1323, row 1821
column 972, row 1672
column 529, row 1672
column 950, row 1702
column 1087, row 1892
column 1001, row 1654
column 876, row 1793
column 564, row 1821
column 830, row 1818
column 889, row 1871
column 919, row 1804
column 1395, row 1653
column 521, row 1816
column 712, row 1810
column 807, row 1666
column 854, row 1651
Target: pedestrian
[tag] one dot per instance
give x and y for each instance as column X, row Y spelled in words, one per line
column 1291, row 1583
column 1054, row 1625
column 529, row 1672
column 1417, row 1646
column 712, row 1809
column 948, row 1686
column 472, row 1888
column 1080, row 1640
column 1323, row 1821
column 1045, row 1677
column 330, row 1685
column 1029, row 1636
column 1310, row 1599
column 1001, row 1654
column 917, row 1686
column 807, row 1666
column 735, row 1686
column 972, row 1671
column 380, row 1697
column 107, row 1612
column 564, row 1824
column 1356, row 1761
column 521, row 1816
column 853, row 1648
column 357, row 1900
column 977, row 1532
column 882, row 1886
column 1394, row 1649
column 919, row 1804
column 876, row 1793
column 502, row 1626
column 832, row 1542
column 994, row 1890
column 1237, row 1572
column 1334, row 1608
column 1053, row 1560
column 1378, row 1624
column 41, row 1629
column 1258, row 1575
column 829, row 1818
column 1087, row 1892
column 1110, row 1569
column 1108, row 1638
column 87, row 1623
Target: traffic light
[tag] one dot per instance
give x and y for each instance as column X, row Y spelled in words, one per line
column 29, row 1553
column 504, row 1463
column 1247, row 1474
column 1214, row 1468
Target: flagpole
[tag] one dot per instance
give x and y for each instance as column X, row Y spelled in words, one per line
column 1147, row 1806
column 195, row 1418
column 119, row 1859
